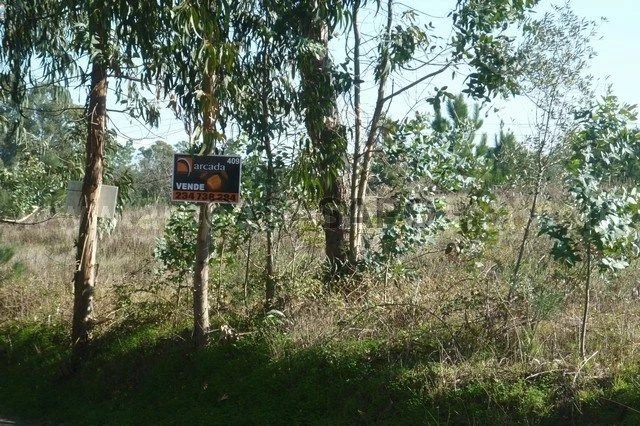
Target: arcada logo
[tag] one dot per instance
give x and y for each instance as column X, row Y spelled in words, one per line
column 184, row 165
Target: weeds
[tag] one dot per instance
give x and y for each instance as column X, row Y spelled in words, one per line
column 435, row 341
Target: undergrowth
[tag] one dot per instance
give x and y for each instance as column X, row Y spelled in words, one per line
column 432, row 339
column 151, row 375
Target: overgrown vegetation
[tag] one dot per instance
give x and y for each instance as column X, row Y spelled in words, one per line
column 150, row 374
column 380, row 269
column 433, row 343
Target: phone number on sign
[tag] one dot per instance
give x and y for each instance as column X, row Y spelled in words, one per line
column 206, row 197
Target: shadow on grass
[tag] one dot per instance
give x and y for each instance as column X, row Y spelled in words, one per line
column 148, row 375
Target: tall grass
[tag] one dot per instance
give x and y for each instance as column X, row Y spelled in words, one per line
column 456, row 301
column 430, row 339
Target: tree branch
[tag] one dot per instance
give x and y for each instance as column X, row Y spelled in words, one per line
column 418, row 81
column 377, row 113
column 23, row 220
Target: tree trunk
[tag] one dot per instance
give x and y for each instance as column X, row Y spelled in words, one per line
column 533, row 211
column 374, row 127
column 355, row 204
column 525, row 235
column 85, row 274
column 333, row 207
column 201, row 281
column 201, row 268
column 270, row 286
column 586, row 302
column 328, row 137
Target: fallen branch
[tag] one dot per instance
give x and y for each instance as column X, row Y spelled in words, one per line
column 582, row 365
column 23, row 220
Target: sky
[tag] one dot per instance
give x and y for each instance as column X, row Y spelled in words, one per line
column 618, row 54
column 617, row 64
column 619, row 47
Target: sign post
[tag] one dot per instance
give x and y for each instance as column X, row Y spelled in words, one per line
column 206, row 178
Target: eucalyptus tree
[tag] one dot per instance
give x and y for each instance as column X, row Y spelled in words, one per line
column 554, row 56
column 312, row 23
column 265, row 116
column 600, row 229
column 199, row 54
column 221, row 64
column 116, row 32
column 479, row 43
column 114, row 38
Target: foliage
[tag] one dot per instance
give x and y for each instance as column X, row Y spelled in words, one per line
column 477, row 224
column 41, row 114
column 555, row 54
column 411, row 165
column 510, row 162
column 56, row 35
column 601, row 216
column 602, row 228
column 52, row 145
column 46, row 142
column 481, row 37
column 201, row 52
column 417, row 163
column 175, row 251
column 257, row 182
column 151, row 174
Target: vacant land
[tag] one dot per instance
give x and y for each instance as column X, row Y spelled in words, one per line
column 436, row 341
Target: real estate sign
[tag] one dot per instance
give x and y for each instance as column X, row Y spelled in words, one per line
column 206, row 178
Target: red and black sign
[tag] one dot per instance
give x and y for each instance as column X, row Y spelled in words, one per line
column 206, row 178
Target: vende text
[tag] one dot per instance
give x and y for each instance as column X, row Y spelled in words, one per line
column 190, row 186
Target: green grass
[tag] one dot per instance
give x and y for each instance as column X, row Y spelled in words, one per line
column 151, row 375
column 441, row 346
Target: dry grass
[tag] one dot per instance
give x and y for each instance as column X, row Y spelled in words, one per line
column 456, row 303
column 43, row 289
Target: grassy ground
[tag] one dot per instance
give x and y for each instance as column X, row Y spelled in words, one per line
column 152, row 376
column 434, row 342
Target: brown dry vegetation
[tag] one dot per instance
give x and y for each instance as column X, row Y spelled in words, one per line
column 453, row 307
